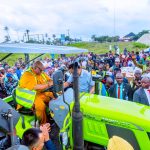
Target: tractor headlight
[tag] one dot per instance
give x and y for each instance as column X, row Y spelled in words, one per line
column 64, row 138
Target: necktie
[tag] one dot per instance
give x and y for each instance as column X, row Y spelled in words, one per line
column 148, row 91
column 118, row 92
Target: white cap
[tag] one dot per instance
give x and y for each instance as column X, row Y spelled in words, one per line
column 63, row 67
column 146, row 75
column 108, row 73
column 18, row 147
column 137, row 70
column 117, row 60
column 1, row 68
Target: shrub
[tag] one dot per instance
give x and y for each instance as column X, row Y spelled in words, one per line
column 139, row 45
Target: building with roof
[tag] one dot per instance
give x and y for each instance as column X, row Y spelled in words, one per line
column 145, row 39
column 128, row 37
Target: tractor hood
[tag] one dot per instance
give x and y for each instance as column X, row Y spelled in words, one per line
column 114, row 111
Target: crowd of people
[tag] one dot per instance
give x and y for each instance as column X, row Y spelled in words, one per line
column 110, row 66
column 9, row 77
column 125, row 77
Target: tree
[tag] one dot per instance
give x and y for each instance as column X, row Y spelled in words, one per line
column 48, row 42
column 115, row 39
column 27, row 32
column 67, row 38
column 143, row 32
column 6, row 39
column 7, row 31
column 140, row 34
column 54, row 36
column 109, row 39
column 93, row 37
column 102, row 39
column 46, row 37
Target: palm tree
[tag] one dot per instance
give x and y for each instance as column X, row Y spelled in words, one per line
column 49, row 39
column 27, row 31
column 43, row 38
column 7, row 31
column 6, row 38
column 93, row 37
column 54, row 36
column 46, row 36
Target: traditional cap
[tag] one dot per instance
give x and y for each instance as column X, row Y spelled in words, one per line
column 108, row 73
column 18, row 147
column 63, row 67
column 8, row 75
column 117, row 60
column 1, row 68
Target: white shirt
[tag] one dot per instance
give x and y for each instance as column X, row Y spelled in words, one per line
column 147, row 94
column 85, row 81
column 84, row 63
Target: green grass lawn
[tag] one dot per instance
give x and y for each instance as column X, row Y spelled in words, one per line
column 98, row 48
column 101, row 48
column 14, row 57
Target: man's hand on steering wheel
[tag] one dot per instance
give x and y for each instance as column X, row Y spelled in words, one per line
column 49, row 84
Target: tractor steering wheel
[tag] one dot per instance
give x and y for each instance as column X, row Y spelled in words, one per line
column 51, row 89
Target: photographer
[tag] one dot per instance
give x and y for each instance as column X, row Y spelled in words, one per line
column 136, row 83
column 116, row 65
column 101, row 71
column 99, row 86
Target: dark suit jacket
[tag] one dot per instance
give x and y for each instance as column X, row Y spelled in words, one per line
column 126, row 90
column 140, row 96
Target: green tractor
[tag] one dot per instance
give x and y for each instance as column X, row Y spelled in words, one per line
column 88, row 121
column 93, row 119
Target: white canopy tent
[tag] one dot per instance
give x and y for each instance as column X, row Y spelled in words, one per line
column 147, row 50
column 39, row 48
column 145, row 39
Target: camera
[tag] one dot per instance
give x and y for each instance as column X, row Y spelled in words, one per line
column 97, row 78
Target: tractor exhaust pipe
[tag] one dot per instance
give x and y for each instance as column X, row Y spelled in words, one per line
column 77, row 117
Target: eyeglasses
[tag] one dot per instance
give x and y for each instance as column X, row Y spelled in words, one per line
column 40, row 69
column 119, row 78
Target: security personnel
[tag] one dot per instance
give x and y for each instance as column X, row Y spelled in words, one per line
column 33, row 80
column 102, row 89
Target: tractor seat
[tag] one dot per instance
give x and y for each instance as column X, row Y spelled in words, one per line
column 26, row 111
column 23, row 110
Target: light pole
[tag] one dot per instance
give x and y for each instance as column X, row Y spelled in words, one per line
column 68, row 32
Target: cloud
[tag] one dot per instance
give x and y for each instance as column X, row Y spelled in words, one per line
column 82, row 17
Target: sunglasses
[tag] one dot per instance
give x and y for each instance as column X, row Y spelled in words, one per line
column 40, row 69
column 119, row 78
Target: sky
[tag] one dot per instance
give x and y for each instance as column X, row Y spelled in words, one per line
column 81, row 18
